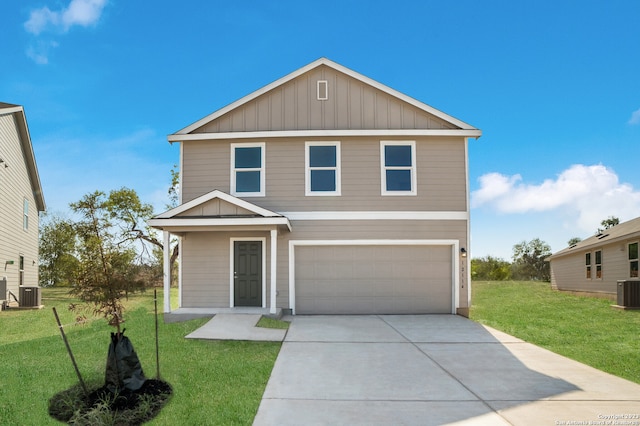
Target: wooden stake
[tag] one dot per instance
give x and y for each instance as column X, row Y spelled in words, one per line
column 155, row 303
column 73, row 360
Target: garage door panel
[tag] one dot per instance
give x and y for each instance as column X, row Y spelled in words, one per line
column 373, row 279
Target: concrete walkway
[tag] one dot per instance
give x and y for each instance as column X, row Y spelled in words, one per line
column 237, row 327
column 432, row 370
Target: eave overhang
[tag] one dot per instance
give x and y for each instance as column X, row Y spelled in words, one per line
column 470, row 133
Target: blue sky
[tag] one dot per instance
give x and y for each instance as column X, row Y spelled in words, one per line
column 554, row 86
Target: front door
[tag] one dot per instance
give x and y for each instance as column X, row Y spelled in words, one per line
column 247, row 273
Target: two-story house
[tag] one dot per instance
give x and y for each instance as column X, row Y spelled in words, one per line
column 21, row 200
column 324, row 192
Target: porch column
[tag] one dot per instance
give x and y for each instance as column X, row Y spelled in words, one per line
column 166, row 266
column 274, row 258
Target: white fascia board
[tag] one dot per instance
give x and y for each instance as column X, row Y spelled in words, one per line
column 203, row 222
column 222, row 196
column 472, row 133
column 377, row 215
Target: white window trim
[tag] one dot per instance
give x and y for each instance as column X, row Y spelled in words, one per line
column 25, row 215
column 308, row 168
column 262, row 169
column 383, row 169
column 323, row 93
column 596, row 264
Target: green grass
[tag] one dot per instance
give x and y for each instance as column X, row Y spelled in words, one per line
column 214, row 382
column 585, row 329
column 266, row 322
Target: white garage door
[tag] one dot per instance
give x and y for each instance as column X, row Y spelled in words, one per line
column 373, row 279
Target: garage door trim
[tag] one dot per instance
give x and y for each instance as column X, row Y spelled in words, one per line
column 455, row 264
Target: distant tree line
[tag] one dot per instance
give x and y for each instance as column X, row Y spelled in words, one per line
column 528, row 263
column 528, row 260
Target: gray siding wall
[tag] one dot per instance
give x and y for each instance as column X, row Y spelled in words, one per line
column 441, row 173
column 206, row 255
column 569, row 272
column 15, row 187
column 351, row 104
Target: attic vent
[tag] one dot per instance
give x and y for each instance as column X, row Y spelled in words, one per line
column 323, row 90
column 603, row 236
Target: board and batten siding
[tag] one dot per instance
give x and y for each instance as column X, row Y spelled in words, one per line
column 351, row 104
column 15, row 187
column 440, row 168
column 569, row 272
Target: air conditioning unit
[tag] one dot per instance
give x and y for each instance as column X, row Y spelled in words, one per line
column 30, row 297
column 629, row 293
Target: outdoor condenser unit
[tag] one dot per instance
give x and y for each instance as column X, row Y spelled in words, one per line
column 30, row 297
column 629, row 293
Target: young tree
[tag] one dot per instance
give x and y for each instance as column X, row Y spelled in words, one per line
column 529, row 260
column 57, row 246
column 106, row 269
column 129, row 214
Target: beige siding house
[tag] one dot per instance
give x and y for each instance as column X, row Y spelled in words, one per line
column 324, row 192
column 21, row 200
column 595, row 264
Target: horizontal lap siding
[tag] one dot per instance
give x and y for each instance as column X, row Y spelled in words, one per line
column 365, row 230
column 15, row 186
column 205, row 267
column 569, row 272
column 441, row 173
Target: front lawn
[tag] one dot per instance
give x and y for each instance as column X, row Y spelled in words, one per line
column 214, row 382
column 582, row 328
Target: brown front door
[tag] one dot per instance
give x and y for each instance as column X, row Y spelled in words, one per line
column 247, row 275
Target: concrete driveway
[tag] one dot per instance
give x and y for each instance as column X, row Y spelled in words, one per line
column 432, row 370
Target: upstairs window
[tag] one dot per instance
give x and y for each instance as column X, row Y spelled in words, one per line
column 633, row 260
column 398, row 167
column 322, row 168
column 588, row 264
column 247, row 170
column 599, row 264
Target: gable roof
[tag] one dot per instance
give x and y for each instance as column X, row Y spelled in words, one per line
column 255, row 215
column 27, row 147
column 622, row 231
column 451, row 125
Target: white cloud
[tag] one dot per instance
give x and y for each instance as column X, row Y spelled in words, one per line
column 583, row 194
column 635, row 117
column 78, row 12
column 40, row 51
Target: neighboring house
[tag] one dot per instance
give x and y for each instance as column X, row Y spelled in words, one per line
column 596, row 264
column 324, row 192
column 21, row 200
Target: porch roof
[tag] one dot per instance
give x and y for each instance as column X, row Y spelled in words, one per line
column 249, row 216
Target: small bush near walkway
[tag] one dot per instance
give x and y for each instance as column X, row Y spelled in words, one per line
column 582, row 328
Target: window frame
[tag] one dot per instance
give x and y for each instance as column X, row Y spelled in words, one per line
column 588, row 265
column 598, row 264
column 261, row 169
column 633, row 260
column 384, row 168
column 308, row 169
column 25, row 214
